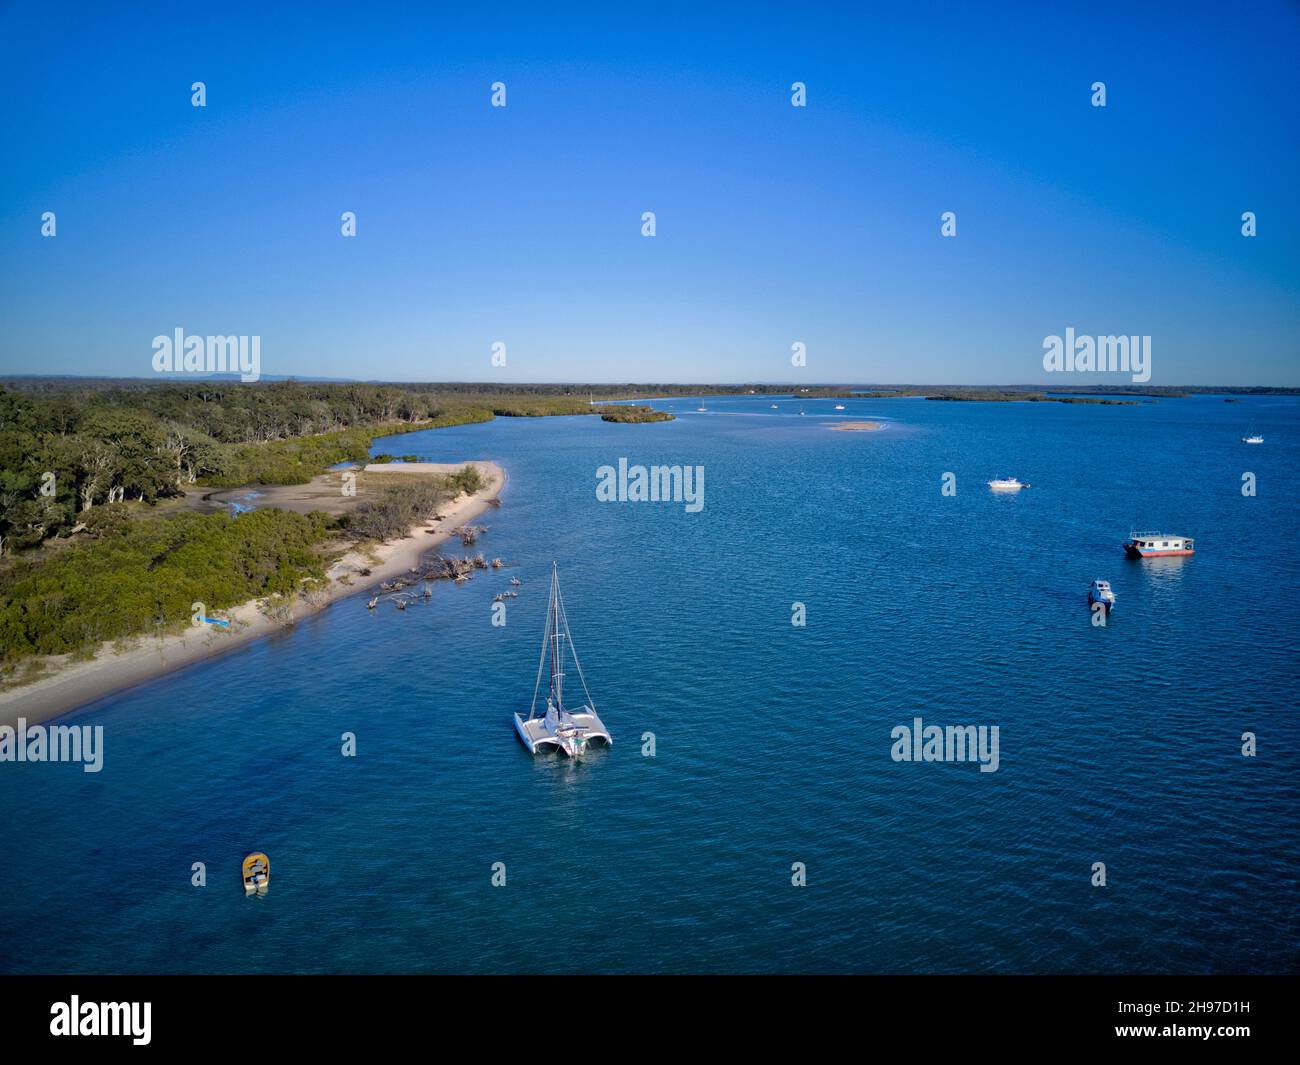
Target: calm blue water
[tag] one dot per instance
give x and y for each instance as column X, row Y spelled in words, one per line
column 1119, row 745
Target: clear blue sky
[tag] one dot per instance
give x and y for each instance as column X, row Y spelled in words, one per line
column 775, row 224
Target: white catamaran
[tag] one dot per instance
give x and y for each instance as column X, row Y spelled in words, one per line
column 569, row 731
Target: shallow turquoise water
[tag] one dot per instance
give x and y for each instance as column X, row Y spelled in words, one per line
column 1119, row 745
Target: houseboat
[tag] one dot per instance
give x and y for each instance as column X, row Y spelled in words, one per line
column 1157, row 545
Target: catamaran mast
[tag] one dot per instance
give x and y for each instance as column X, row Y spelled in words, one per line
column 553, row 644
column 557, row 648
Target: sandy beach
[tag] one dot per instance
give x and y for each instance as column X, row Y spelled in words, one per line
column 858, row 427
column 71, row 685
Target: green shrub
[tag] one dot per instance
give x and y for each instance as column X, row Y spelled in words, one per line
column 146, row 577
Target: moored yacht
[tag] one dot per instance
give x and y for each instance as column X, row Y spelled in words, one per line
column 1254, row 438
column 567, row 731
column 1156, row 545
column 1006, row 484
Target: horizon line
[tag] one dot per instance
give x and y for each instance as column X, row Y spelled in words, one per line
column 181, row 378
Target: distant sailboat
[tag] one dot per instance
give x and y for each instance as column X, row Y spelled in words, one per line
column 560, row 729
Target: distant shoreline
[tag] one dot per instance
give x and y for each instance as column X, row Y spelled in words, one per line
column 77, row 684
column 632, row 390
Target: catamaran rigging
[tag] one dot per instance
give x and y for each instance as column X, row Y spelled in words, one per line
column 559, row 728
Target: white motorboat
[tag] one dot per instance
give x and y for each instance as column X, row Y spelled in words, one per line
column 1100, row 592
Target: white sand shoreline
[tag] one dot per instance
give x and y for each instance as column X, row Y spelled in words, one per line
column 77, row 684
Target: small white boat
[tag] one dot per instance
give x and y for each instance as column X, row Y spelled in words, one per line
column 801, row 413
column 774, row 406
column 839, row 406
column 568, row 731
column 1006, row 484
column 1100, row 593
column 1254, row 438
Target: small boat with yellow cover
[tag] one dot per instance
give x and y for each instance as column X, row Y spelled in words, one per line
column 257, row 874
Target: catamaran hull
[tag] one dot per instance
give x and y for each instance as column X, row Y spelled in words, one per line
column 536, row 737
column 524, row 738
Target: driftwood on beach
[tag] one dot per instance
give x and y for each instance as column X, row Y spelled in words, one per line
column 442, row 568
column 469, row 533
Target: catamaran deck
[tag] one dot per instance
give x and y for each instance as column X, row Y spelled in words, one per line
column 534, row 734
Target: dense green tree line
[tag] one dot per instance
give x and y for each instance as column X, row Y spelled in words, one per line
column 60, row 460
column 144, row 577
column 70, row 446
column 289, row 461
column 634, row 415
column 66, row 451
